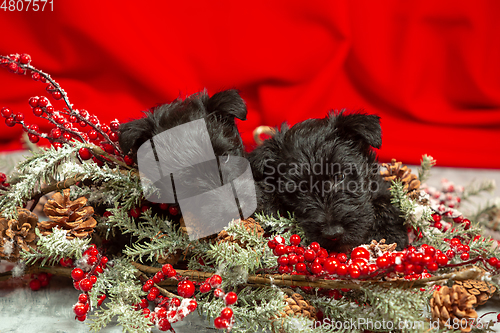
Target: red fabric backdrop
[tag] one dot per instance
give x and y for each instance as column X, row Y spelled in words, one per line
column 430, row 69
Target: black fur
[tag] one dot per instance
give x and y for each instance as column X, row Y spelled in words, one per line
column 219, row 112
column 350, row 203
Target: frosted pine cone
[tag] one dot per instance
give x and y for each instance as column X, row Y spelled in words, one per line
column 73, row 216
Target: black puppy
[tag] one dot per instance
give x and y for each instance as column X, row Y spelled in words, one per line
column 191, row 150
column 325, row 171
column 218, row 111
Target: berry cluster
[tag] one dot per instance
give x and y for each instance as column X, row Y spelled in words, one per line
column 68, row 124
column 84, row 277
column 225, row 320
column 412, row 262
column 39, row 281
column 170, row 310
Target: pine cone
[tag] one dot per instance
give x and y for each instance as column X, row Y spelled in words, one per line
column 396, row 170
column 73, row 216
column 16, row 235
column 480, row 289
column 377, row 249
column 452, row 305
column 250, row 224
column 297, row 305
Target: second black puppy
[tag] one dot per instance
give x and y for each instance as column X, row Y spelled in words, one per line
column 325, row 171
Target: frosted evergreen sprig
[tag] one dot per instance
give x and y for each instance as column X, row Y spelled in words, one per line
column 124, row 290
column 476, row 188
column 163, row 237
column 38, row 169
column 424, row 170
column 52, row 248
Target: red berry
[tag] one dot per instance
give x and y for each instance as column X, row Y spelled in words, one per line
column 57, row 95
column 151, row 296
column 79, row 309
column 148, row 285
column 301, row 267
column 13, row 67
column 129, row 161
column 455, row 242
column 164, row 325
column 432, row 267
column 92, row 260
column 113, row 136
column 310, row 255
column 104, row 260
column 436, row 217
column 466, row 223
column 342, row 270
column 19, row 117
column 186, row 289
column 85, row 285
column 205, row 288
column 360, row 252
column 33, row 102
column 81, row 318
column 271, row 244
column 173, row 210
column 3, row 177
column 25, row 59
column 134, row 212
column 383, row 262
column 215, row 281
column 35, row 284
column 218, row 292
column 92, row 134
column 441, row 259
column 283, row 260
column 114, row 125
column 158, row 277
column 35, row 76
column 167, row 270
column 83, row 298
column 49, row 109
column 43, row 101
column 464, row 256
column 33, row 138
column 77, row 274
column 192, row 305
column 44, row 279
column 230, row 298
column 155, row 291
column 93, row 279
column 450, row 253
column 342, row 257
column 354, row 272
column 6, row 113
column 493, row 261
column 316, row 269
column 295, row 240
column 163, row 206
column 292, row 259
column 438, row 225
column 10, row 122
column 84, row 153
column 315, row 246
column 226, row 313
column 220, row 323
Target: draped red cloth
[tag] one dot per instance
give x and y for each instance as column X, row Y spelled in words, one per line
column 430, row 69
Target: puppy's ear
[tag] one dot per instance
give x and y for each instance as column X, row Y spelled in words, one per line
column 359, row 126
column 134, row 133
column 228, row 103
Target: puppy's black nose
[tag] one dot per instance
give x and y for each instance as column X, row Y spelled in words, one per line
column 333, row 232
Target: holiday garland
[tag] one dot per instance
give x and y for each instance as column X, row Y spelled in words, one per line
column 133, row 261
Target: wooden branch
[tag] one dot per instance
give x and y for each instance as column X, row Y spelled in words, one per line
column 266, row 280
